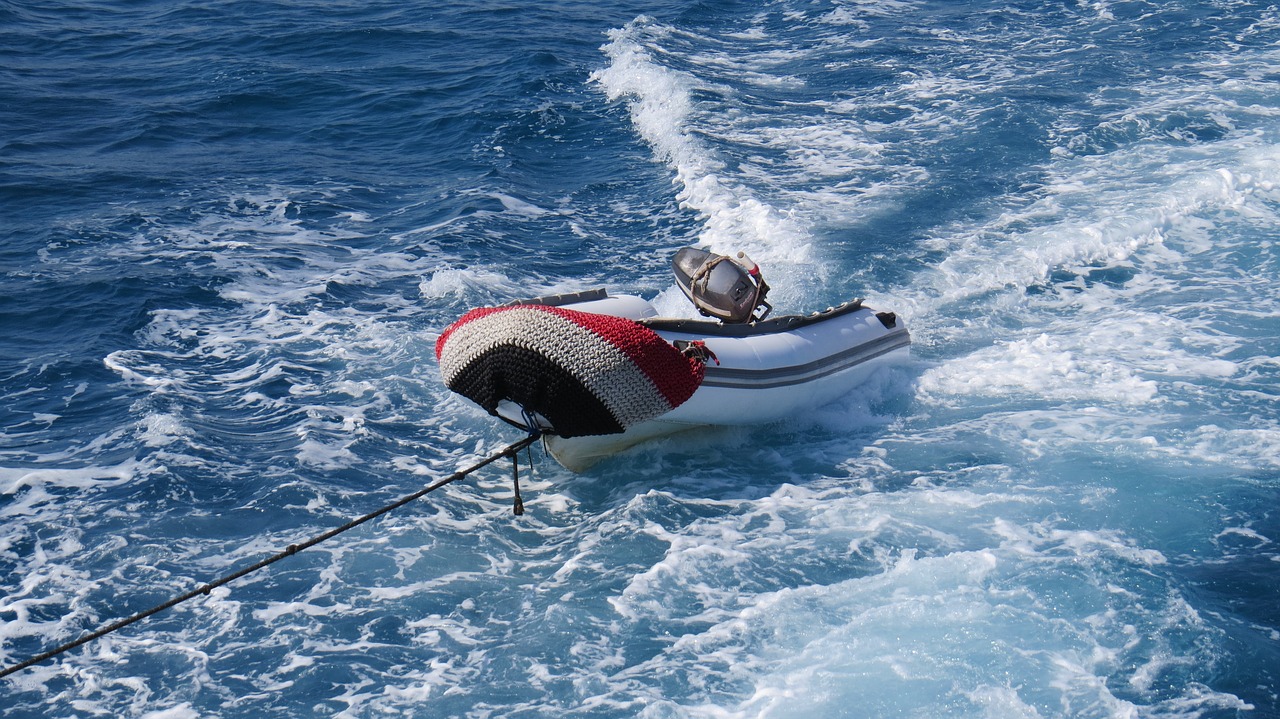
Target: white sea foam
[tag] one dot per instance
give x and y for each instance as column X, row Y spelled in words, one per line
column 446, row 282
column 808, row 650
column 1106, row 271
column 1020, row 250
column 161, row 429
column 661, row 110
column 180, row 711
column 1041, row 367
column 13, row 480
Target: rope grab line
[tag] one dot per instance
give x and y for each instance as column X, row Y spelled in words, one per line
column 510, row 450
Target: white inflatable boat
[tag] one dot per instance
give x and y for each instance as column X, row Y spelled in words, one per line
column 598, row 373
column 768, row 370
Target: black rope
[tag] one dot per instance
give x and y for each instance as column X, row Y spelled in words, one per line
column 511, row 450
column 518, row 508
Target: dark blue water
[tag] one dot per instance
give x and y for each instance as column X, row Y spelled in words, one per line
column 232, row 232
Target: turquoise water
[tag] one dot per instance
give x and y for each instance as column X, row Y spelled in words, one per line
column 233, row 232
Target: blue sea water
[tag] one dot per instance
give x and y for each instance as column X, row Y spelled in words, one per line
column 232, row 232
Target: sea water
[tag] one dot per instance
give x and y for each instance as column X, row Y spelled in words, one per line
column 232, row 232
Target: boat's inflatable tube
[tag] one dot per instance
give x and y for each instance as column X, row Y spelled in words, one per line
column 572, row 373
column 761, row 372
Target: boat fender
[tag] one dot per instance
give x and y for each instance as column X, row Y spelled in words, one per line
column 586, row 374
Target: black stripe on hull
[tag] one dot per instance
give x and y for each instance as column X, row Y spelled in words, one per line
column 799, row 374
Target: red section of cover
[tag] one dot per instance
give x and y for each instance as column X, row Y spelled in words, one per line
column 468, row 317
column 677, row 377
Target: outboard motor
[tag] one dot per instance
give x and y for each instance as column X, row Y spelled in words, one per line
column 731, row 290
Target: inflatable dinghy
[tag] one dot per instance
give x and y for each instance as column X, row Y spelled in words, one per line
column 598, row 373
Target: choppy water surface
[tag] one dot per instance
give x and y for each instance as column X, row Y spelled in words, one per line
column 233, row 232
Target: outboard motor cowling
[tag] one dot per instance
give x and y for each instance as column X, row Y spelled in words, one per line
column 732, row 291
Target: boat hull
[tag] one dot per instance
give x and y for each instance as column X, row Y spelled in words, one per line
column 766, row 372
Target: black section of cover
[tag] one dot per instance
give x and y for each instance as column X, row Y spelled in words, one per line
column 538, row 385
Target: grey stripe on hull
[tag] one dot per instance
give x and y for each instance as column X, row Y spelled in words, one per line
column 799, row 374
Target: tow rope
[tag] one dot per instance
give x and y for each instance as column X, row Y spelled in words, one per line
column 511, row 450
